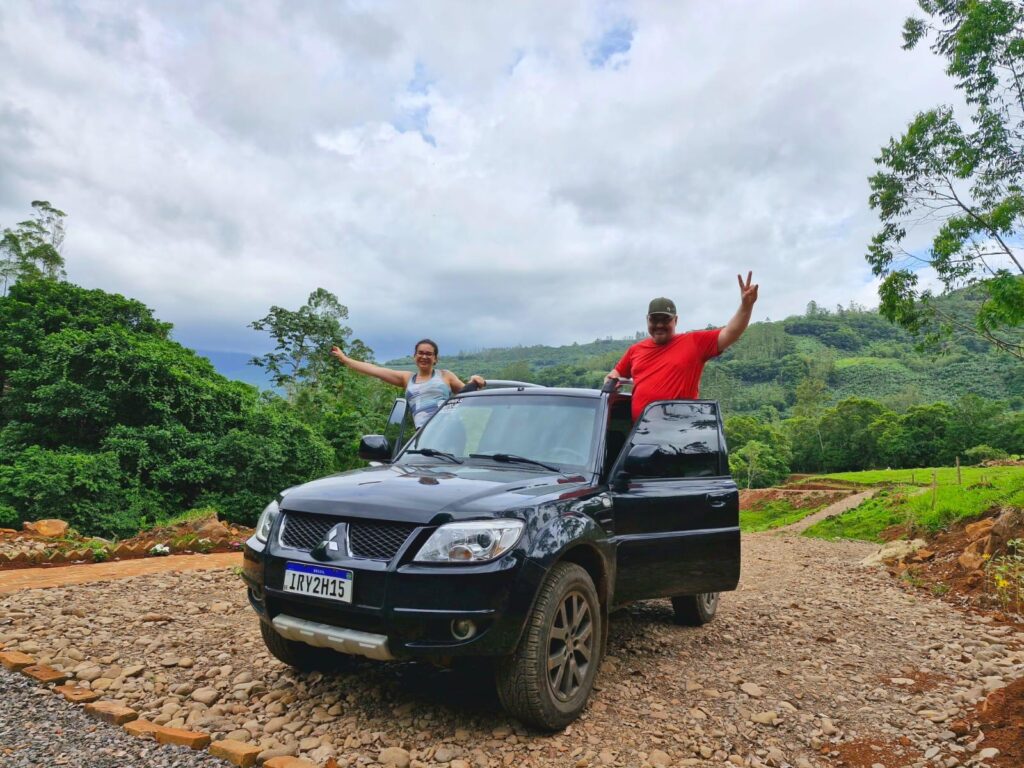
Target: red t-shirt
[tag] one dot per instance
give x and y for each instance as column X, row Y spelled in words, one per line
column 667, row 371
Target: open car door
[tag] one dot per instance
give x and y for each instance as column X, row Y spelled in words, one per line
column 676, row 508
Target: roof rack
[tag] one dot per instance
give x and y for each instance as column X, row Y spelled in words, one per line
column 505, row 383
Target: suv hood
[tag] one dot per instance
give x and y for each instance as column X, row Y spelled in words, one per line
column 430, row 494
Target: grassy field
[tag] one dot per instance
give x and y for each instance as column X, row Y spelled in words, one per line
column 909, row 500
column 773, row 514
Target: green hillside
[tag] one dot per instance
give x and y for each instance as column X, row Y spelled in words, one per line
column 854, row 352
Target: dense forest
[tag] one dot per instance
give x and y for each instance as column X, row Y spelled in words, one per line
column 108, row 423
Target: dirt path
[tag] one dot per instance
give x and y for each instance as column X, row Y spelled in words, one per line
column 843, row 505
column 814, row 661
column 60, row 576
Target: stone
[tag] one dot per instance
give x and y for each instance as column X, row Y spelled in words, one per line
column 44, row 674
column 77, row 695
column 16, row 660
column 988, row 753
column 140, row 727
column 110, row 712
column 206, row 696
column 395, row 756
column 971, row 559
column 659, row 758
column 88, row 674
column 752, row 689
column 445, row 754
column 1009, row 525
column 287, row 750
column 213, row 530
column 50, row 529
column 979, row 529
column 181, row 737
column 275, row 724
column 284, row 761
column 235, row 752
column 765, row 718
column 894, row 550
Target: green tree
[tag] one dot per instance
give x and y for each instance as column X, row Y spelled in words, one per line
column 303, row 339
column 927, row 434
column 845, row 431
column 518, row 370
column 31, row 250
column 967, row 178
column 756, row 465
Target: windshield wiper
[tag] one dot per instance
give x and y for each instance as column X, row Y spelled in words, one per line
column 434, row 452
column 511, row 458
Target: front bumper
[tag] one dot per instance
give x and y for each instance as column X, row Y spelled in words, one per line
column 400, row 609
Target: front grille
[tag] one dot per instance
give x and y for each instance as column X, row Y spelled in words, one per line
column 373, row 540
column 302, row 531
column 377, row 541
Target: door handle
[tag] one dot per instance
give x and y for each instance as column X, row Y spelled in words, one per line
column 717, row 501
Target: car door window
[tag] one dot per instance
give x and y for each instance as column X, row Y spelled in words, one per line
column 684, row 440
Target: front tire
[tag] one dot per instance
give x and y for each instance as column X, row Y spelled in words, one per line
column 547, row 681
column 695, row 610
column 303, row 657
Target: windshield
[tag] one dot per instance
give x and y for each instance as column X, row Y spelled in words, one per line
column 554, row 430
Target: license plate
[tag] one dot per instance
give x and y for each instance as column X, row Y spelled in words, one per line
column 318, row 581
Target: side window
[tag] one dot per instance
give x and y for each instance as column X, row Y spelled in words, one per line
column 681, row 440
column 620, row 422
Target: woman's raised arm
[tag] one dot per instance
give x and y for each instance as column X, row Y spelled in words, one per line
column 388, row 376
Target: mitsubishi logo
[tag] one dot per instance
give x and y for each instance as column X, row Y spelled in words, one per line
column 337, row 538
column 335, row 543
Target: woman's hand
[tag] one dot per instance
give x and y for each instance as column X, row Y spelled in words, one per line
column 477, row 379
column 342, row 357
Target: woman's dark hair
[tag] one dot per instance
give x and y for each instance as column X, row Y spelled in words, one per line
column 426, row 341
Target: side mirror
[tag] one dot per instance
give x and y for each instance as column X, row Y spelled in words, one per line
column 375, row 448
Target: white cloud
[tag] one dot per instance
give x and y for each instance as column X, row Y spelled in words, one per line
column 479, row 173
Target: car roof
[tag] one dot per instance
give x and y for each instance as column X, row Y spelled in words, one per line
column 535, row 391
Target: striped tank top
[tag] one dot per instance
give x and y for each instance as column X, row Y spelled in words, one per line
column 426, row 397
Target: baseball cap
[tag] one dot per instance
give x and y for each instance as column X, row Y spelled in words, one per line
column 661, row 306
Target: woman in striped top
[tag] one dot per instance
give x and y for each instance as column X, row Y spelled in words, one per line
column 426, row 389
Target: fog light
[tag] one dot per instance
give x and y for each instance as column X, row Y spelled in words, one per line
column 463, row 629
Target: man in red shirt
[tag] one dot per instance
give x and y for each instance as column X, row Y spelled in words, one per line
column 667, row 366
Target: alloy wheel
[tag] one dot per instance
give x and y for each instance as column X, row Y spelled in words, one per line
column 570, row 646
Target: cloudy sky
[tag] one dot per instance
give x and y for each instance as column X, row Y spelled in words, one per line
column 482, row 173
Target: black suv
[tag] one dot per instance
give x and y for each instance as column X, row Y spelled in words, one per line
column 507, row 527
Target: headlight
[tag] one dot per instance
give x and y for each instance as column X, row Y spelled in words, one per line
column 266, row 521
column 471, row 542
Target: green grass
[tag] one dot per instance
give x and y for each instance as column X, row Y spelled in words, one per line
column 905, row 504
column 923, row 477
column 773, row 514
column 199, row 513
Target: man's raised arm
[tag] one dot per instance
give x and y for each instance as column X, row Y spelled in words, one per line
column 732, row 331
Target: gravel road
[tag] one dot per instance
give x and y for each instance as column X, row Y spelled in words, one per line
column 815, row 661
column 38, row 728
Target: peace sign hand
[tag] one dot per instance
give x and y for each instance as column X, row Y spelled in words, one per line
column 748, row 292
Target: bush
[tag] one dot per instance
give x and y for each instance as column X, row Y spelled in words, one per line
column 980, row 453
column 8, row 517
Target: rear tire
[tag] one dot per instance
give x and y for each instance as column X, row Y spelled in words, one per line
column 695, row 610
column 303, row 657
column 547, row 681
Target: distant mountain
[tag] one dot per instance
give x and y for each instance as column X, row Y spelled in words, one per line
column 235, row 365
column 855, row 352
